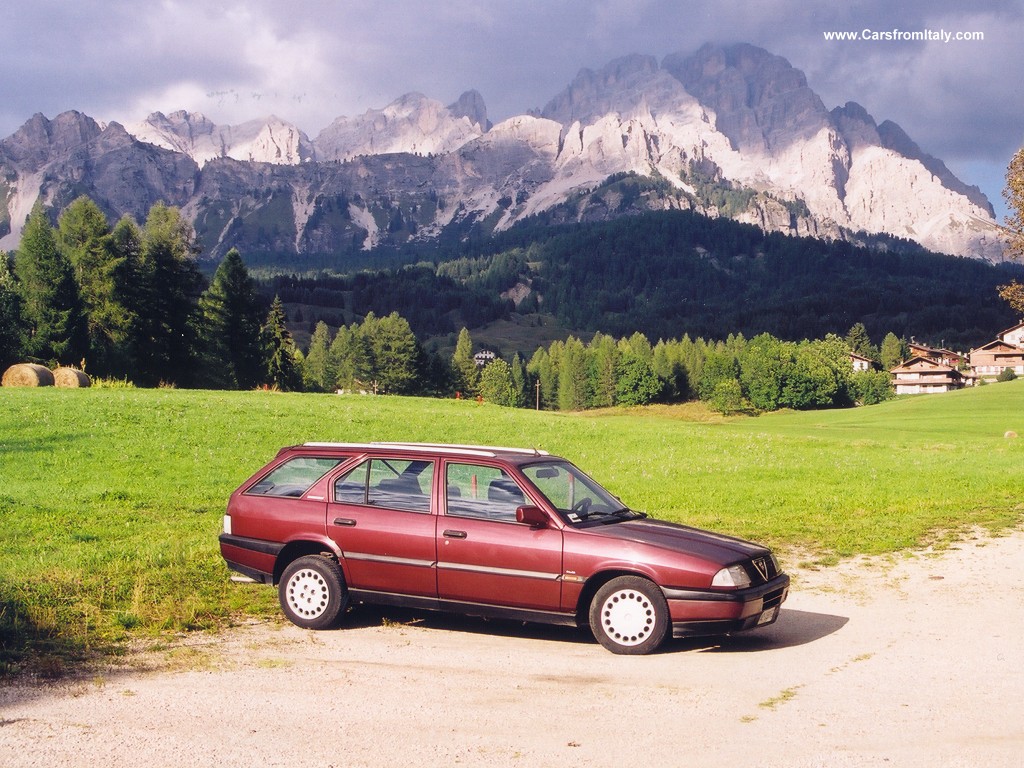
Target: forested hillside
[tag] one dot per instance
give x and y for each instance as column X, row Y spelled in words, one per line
column 672, row 273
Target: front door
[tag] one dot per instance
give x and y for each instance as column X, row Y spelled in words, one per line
column 485, row 556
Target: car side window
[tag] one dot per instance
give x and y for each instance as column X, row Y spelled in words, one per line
column 476, row 490
column 294, row 477
column 393, row 483
column 350, row 488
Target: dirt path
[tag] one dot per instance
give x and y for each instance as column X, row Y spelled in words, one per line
column 913, row 661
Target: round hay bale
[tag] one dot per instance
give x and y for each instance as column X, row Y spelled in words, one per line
column 1009, row 434
column 27, row 375
column 71, row 377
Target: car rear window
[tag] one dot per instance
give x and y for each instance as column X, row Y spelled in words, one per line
column 295, row 476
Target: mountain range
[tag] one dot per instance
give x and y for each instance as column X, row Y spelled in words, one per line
column 727, row 131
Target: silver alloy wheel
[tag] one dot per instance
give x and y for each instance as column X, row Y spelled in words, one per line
column 628, row 617
column 308, row 594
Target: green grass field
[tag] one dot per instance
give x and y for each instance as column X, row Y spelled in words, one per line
column 111, row 499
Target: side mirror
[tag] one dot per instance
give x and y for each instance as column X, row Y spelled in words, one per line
column 532, row 516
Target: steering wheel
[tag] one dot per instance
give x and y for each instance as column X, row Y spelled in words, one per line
column 581, row 507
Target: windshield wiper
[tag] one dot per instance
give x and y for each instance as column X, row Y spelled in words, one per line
column 619, row 515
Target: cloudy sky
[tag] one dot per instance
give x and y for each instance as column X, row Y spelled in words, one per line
column 313, row 60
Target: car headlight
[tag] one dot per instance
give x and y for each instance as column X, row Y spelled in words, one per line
column 734, row 576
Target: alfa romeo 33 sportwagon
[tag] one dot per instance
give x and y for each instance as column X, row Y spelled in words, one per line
column 485, row 531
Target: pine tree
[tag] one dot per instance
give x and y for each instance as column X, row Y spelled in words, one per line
column 132, row 293
column 10, row 316
column 519, row 382
column 51, row 303
column 894, row 351
column 171, row 285
column 496, row 384
column 101, row 271
column 604, row 356
column 573, row 379
column 230, row 330
column 543, row 369
column 859, row 342
column 394, row 350
column 351, row 359
column 282, row 365
column 318, row 374
column 467, row 374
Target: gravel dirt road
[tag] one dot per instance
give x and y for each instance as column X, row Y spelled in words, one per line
column 907, row 661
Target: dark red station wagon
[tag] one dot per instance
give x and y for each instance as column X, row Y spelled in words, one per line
column 497, row 532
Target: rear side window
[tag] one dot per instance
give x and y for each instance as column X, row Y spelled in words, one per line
column 393, row 483
column 295, row 476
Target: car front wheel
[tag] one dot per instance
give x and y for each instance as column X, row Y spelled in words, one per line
column 312, row 592
column 629, row 615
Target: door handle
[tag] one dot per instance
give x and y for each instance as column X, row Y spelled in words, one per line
column 344, row 521
column 455, row 534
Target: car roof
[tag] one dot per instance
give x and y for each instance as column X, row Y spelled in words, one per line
column 448, row 449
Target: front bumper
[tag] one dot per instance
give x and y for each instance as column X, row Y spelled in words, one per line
column 697, row 613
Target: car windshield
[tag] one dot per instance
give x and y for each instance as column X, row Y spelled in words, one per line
column 574, row 494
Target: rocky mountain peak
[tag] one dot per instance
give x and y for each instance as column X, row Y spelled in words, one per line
column 270, row 140
column 616, row 87
column 855, row 125
column 39, row 138
column 412, row 124
column 761, row 101
column 895, row 138
column 728, row 130
column 471, row 106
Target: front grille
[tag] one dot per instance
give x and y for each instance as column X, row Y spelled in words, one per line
column 762, row 569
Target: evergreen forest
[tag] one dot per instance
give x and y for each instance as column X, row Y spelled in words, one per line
column 656, row 307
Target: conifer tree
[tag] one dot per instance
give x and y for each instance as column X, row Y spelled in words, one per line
column 573, row 379
column 894, row 351
column 395, row 352
column 132, row 292
column 543, row 369
column 282, row 364
column 101, row 271
column 10, row 316
column 318, row 374
column 519, row 382
column 496, row 383
column 860, row 343
column 604, row 354
column 467, row 374
column 171, row 285
column 230, row 331
column 351, row 359
column 51, row 305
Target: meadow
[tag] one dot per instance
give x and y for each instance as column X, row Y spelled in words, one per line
column 111, row 499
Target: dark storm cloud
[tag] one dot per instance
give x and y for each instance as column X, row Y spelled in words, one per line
column 314, row 61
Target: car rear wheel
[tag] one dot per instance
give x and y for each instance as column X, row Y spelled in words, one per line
column 312, row 592
column 629, row 615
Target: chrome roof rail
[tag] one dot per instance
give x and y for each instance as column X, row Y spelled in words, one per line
column 447, row 448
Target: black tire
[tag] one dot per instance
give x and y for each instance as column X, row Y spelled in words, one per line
column 313, row 593
column 629, row 615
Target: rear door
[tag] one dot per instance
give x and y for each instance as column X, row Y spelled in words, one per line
column 483, row 554
column 380, row 516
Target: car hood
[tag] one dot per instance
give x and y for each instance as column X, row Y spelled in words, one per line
column 681, row 538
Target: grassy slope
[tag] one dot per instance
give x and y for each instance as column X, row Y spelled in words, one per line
column 110, row 500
